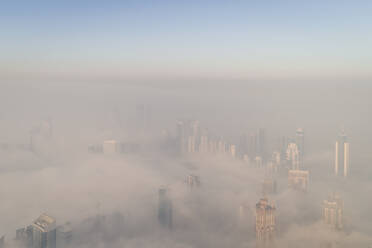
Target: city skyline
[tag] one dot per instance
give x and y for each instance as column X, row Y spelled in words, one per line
column 185, row 124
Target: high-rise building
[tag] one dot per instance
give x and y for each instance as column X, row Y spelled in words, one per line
column 2, row 241
column 191, row 144
column 44, row 232
column 276, row 158
column 165, row 214
column 203, row 146
column 256, row 146
column 300, row 141
column 193, row 181
column 24, row 237
column 342, row 156
column 298, row 179
column 188, row 134
column 283, row 145
column 333, row 211
column 265, row 223
column 293, row 156
column 64, row 235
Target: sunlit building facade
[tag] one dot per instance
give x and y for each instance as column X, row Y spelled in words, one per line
column 265, row 223
column 44, row 234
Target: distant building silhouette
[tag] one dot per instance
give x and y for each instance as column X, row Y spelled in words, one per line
column 165, row 213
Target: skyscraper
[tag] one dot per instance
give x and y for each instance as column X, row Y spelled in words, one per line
column 203, row 146
column 300, row 141
column 188, row 136
column 193, row 181
column 265, row 223
column 293, row 156
column 44, row 232
column 191, row 144
column 257, row 145
column 165, row 208
column 342, row 158
column 333, row 211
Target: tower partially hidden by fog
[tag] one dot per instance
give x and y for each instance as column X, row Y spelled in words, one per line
column 293, row 156
column 342, row 159
column 44, row 232
column 193, row 181
column 165, row 208
column 300, row 141
column 265, row 223
column 333, row 211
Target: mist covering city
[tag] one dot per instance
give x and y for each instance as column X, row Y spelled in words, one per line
column 185, row 124
column 95, row 157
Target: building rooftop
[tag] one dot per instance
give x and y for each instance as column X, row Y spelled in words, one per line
column 44, row 223
column 264, row 204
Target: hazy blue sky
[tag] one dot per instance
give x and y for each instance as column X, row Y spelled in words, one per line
column 263, row 39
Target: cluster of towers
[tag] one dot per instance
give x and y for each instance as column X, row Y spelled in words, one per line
column 192, row 139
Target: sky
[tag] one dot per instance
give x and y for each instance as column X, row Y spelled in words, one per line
column 192, row 40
